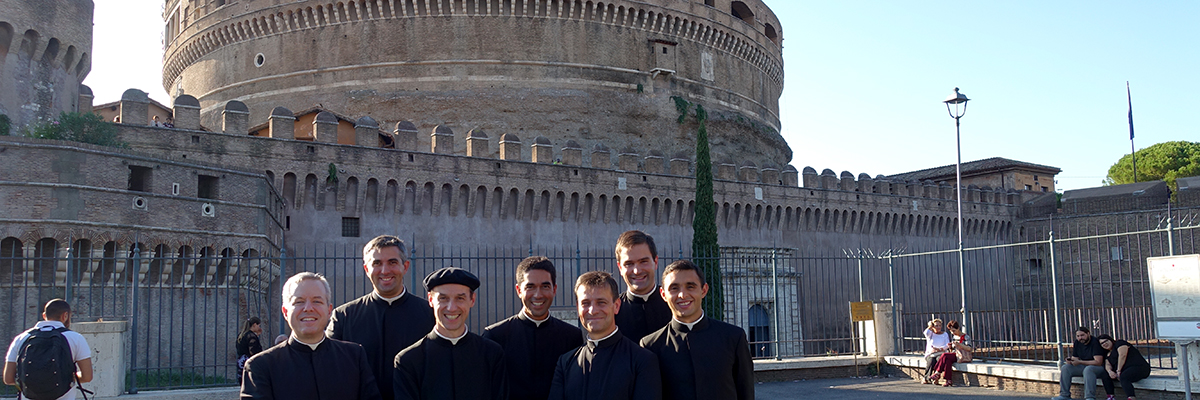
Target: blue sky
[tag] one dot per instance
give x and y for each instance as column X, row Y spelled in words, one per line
column 864, row 80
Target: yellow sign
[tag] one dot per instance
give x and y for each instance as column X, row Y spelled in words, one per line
column 861, row 311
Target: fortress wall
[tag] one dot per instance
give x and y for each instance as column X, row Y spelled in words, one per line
column 71, row 191
column 45, row 52
column 451, row 198
column 581, row 71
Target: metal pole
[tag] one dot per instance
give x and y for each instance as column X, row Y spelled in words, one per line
column 133, row 324
column 282, row 275
column 1170, row 232
column 895, row 320
column 962, row 281
column 67, row 285
column 1183, row 370
column 861, row 297
column 1057, row 311
column 775, row 299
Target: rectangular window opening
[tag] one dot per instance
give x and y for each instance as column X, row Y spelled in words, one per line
column 206, row 187
column 350, row 227
column 139, row 178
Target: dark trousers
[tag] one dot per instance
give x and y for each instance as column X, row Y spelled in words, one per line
column 1128, row 377
column 930, row 362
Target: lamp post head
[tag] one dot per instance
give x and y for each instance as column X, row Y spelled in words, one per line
column 956, row 98
column 959, row 101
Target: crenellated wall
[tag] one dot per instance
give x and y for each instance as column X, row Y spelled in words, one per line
column 568, row 70
column 45, row 52
column 446, row 197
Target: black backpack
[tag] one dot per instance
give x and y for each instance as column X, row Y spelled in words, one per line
column 45, row 365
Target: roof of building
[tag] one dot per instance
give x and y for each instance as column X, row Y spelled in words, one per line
column 1130, row 189
column 1189, row 183
column 973, row 168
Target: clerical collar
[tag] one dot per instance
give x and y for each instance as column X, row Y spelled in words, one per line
column 596, row 342
column 690, row 325
column 644, row 297
column 312, row 346
column 389, row 300
column 453, row 341
column 537, row 323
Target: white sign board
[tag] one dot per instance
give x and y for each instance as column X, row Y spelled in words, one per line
column 1175, row 289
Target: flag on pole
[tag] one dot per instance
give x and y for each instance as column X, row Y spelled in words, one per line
column 1130, row 97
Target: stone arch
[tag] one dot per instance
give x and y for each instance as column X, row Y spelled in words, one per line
column 445, row 201
column 371, row 202
column 640, row 216
column 572, row 213
column 509, row 209
column 557, row 211
column 527, row 209
column 480, row 208
column 106, row 265
column 741, row 11
column 410, row 199
column 6, row 38
column 771, row 33
column 426, row 199
column 12, row 260
column 464, row 202
column 542, row 207
column 310, row 192
column 79, row 257
column 391, row 196
column 221, row 276
column 601, row 209
column 351, row 200
column 589, row 201
column 29, row 45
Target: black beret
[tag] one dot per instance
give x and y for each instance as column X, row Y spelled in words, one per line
column 451, row 275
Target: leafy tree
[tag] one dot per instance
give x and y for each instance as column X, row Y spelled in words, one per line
column 77, row 127
column 1164, row 161
column 705, row 250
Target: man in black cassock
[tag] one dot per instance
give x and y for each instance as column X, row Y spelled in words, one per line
column 609, row 366
column 700, row 358
column 389, row 318
column 450, row 362
column 533, row 339
column 642, row 308
column 309, row 366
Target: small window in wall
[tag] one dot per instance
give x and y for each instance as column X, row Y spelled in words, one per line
column 139, row 178
column 1035, row 266
column 350, row 227
column 741, row 11
column 760, row 332
column 710, row 3
column 771, row 33
column 1115, row 253
column 206, row 187
column 1045, row 189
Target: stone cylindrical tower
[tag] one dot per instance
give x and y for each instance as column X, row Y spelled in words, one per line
column 45, row 52
column 589, row 71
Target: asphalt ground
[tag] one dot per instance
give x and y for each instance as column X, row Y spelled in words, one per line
column 825, row 389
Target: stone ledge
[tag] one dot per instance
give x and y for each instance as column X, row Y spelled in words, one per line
column 1040, row 373
column 811, row 362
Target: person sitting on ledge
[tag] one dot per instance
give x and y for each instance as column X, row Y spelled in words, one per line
column 1087, row 358
column 1125, row 363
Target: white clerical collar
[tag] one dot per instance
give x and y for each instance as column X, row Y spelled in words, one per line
column 312, row 345
column 692, row 324
column 596, row 342
column 537, row 323
column 644, row 297
column 453, row 341
column 389, row 300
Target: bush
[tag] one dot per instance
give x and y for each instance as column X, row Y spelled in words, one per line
column 5, row 125
column 77, row 127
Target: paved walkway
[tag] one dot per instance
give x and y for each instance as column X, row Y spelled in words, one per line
column 825, row 389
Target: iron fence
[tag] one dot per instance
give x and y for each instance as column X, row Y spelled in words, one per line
column 184, row 306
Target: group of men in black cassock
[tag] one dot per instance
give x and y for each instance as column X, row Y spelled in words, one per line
column 649, row 342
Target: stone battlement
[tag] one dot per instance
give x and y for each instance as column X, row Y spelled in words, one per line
column 538, row 180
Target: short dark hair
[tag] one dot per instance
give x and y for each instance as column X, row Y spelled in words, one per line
column 382, row 241
column 1083, row 329
column 536, row 263
column 684, row 265
column 634, row 238
column 595, row 279
column 55, row 309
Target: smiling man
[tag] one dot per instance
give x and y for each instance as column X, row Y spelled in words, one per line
column 720, row 368
column 389, row 318
column 533, row 339
column 643, row 309
column 309, row 366
column 609, row 366
column 451, row 362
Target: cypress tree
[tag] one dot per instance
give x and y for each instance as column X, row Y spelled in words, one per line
column 705, row 250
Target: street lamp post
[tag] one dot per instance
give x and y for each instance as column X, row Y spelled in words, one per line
column 956, row 105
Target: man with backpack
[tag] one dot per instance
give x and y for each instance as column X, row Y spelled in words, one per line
column 42, row 362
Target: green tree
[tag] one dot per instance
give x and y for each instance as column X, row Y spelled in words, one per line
column 1164, row 161
column 77, row 127
column 5, row 125
column 705, row 250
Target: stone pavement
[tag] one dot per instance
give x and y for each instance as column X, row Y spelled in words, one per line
column 825, row 389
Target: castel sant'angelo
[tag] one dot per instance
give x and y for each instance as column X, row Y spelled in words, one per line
column 489, row 122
